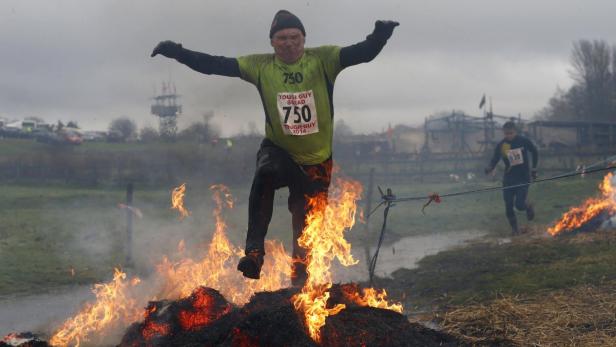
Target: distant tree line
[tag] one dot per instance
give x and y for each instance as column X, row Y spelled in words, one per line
column 124, row 129
column 593, row 94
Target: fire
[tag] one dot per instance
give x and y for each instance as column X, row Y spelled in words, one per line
column 14, row 339
column 153, row 329
column 204, row 310
column 579, row 215
column 178, row 276
column 216, row 269
column 373, row 298
column 177, row 201
column 324, row 239
column 113, row 305
column 116, row 305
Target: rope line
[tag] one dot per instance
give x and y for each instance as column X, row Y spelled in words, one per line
column 389, row 200
column 434, row 196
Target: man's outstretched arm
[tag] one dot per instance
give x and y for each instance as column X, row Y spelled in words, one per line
column 204, row 63
column 368, row 49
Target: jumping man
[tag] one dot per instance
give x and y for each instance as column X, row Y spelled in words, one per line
column 514, row 150
column 296, row 86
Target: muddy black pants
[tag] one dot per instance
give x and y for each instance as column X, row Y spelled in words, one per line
column 276, row 169
column 515, row 198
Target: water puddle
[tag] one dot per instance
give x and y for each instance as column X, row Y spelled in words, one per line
column 404, row 253
column 38, row 312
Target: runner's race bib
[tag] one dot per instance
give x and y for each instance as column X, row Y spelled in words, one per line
column 298, row 113
column 515, row 156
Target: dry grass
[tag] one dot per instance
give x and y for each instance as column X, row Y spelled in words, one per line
column 581, row 316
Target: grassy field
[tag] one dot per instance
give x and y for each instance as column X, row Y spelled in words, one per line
column 47, row 230
column 485, row 270
column 485, row 211
column 530, row 264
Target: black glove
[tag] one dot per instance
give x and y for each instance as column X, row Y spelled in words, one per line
column 533, row 174
column 169, row 49
column 383, row 29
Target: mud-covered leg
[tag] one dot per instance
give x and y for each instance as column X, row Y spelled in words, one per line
column 270, row 175
column 508, row 196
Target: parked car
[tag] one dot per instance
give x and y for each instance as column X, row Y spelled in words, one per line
column 94, row 135
column 66, row 136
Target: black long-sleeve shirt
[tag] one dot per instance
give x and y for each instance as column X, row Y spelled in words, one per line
column 362, row 52
column 515, row 155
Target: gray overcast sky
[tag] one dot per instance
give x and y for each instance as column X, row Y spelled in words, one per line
column 89, row 60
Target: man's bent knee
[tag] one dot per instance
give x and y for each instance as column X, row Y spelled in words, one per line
column 521, row 206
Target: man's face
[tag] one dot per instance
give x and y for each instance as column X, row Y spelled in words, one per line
column 510, row 134
column 288, row 45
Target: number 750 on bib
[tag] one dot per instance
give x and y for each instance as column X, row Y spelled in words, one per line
column 298, row 113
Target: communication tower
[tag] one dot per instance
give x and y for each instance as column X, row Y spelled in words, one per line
column 167, row 109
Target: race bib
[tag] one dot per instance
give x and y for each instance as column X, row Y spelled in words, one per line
column 515, row 156
column 298, row 114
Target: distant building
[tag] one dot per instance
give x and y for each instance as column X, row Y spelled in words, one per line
column 560, row 135
column 456, row 134
column 363, row 146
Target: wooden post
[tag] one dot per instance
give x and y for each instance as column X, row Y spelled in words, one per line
column 129, row 226
column 421, row 168
column 367, row 210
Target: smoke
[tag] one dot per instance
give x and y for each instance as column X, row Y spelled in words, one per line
column 87, row 235
column 94, row 241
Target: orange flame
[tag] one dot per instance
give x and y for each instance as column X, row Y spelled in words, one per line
column 153, row 329
column 579, row 215
column 113, row 305
column 217, row 268
column 373, row 298
column 116, row 304
column 177, row 201
column 324, row 239
column 204, row 310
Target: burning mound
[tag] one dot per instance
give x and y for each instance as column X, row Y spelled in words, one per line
column 22, row 340
column 241, row 312
column 591, row 214
column 269, row 319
